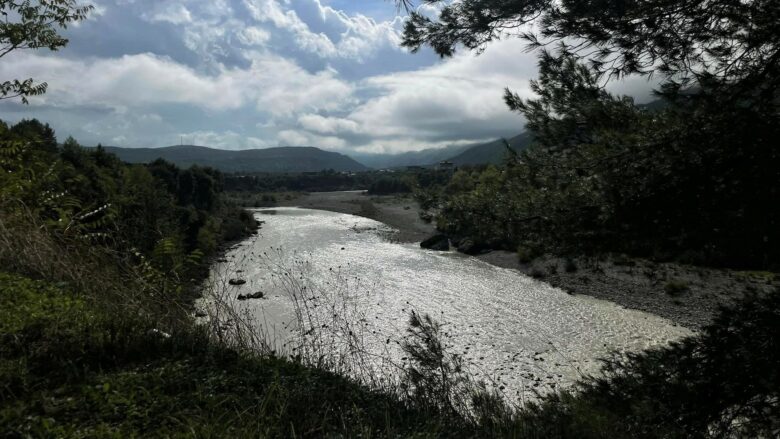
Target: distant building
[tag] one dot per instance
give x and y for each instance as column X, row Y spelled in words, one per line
column 446, row 165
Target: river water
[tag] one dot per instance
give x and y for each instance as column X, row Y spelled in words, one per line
column 517, row 333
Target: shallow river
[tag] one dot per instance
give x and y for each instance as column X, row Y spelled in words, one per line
column 520, row 334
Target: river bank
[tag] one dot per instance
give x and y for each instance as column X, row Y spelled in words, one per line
column 687, row 295
column 400, row 212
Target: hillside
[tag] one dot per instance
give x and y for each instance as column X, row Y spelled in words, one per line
column 282, row 159
column 411, row 158
column 474, row 154
column 491, row 152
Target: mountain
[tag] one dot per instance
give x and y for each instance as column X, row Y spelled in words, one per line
column 282, row 159
column 491, row 152
column 412, row 158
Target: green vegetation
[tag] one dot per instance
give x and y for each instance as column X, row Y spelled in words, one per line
column 391, row 185
column 73, row 369
column 287, row 159
column 323, row 181
column 722, row 383
column 689, row 178
column 492, row 153
column 100, row 260
column 34, row 25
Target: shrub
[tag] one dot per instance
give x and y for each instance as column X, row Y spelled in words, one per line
column 676, row 287
column 525, row 254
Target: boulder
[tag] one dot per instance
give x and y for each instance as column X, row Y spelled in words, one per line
column 436, row 242
column 236, row 281
column 469, row 247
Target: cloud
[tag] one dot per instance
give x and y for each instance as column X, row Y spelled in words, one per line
column 254, row 36
column 174, row 13
column 271, row 84
column 224, row 140
column 325, row 31
column 456, row 101
column 259, row 73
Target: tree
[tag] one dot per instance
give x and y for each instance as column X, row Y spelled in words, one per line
column 703, row 43
column 39, row 134
column 692, row 177
column 31, row 24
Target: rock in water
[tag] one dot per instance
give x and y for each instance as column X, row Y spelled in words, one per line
column 436, row 242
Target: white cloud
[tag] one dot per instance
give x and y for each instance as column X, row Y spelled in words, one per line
column 223, row 140
column 174, row 13
column 458, row 100
column 271, row 84
column 254, row 36
column 303, row 138
column 258, row 73
column 355, row 36
column 328, row 125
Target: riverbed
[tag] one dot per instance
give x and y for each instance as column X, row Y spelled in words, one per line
column 519, row 334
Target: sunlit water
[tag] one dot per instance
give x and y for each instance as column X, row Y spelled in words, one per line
column 516, row 332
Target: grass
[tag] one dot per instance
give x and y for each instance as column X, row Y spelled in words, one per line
column 69, row 369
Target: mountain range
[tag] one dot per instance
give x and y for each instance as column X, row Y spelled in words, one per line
column 293, row 159
column 281, row 159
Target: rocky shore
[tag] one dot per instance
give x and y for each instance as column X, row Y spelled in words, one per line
column 397, row 211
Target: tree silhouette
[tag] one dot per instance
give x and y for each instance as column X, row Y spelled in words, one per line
column 27, row 24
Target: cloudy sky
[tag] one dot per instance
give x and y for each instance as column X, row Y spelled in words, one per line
column 238, row 74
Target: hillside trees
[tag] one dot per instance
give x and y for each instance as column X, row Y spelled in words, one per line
column 87, row 195
column 692, row 177
column 34, row 24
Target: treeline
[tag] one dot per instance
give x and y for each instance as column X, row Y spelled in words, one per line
column 324, row 181
column 375, row 182
column 696, row 180
column 170, row 215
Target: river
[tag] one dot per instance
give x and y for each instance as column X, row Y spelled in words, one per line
column 521, row 335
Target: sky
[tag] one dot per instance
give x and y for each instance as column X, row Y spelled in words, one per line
column 238, row 74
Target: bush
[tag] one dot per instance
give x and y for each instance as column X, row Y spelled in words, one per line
column 676, row 287
column 525, row 254
column 724, row 382
column 389, row 185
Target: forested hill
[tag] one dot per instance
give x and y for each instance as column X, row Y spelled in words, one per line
column 475, row 154
column 282, row 159
column 491, row 152
column 423, row 157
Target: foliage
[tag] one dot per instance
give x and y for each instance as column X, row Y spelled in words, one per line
column 34, row 25
column 607, row 175
column 724, row 382
column 692, row 176
column 390, row 185
column 691, row 41
column 69, row 368
column 171, row 217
